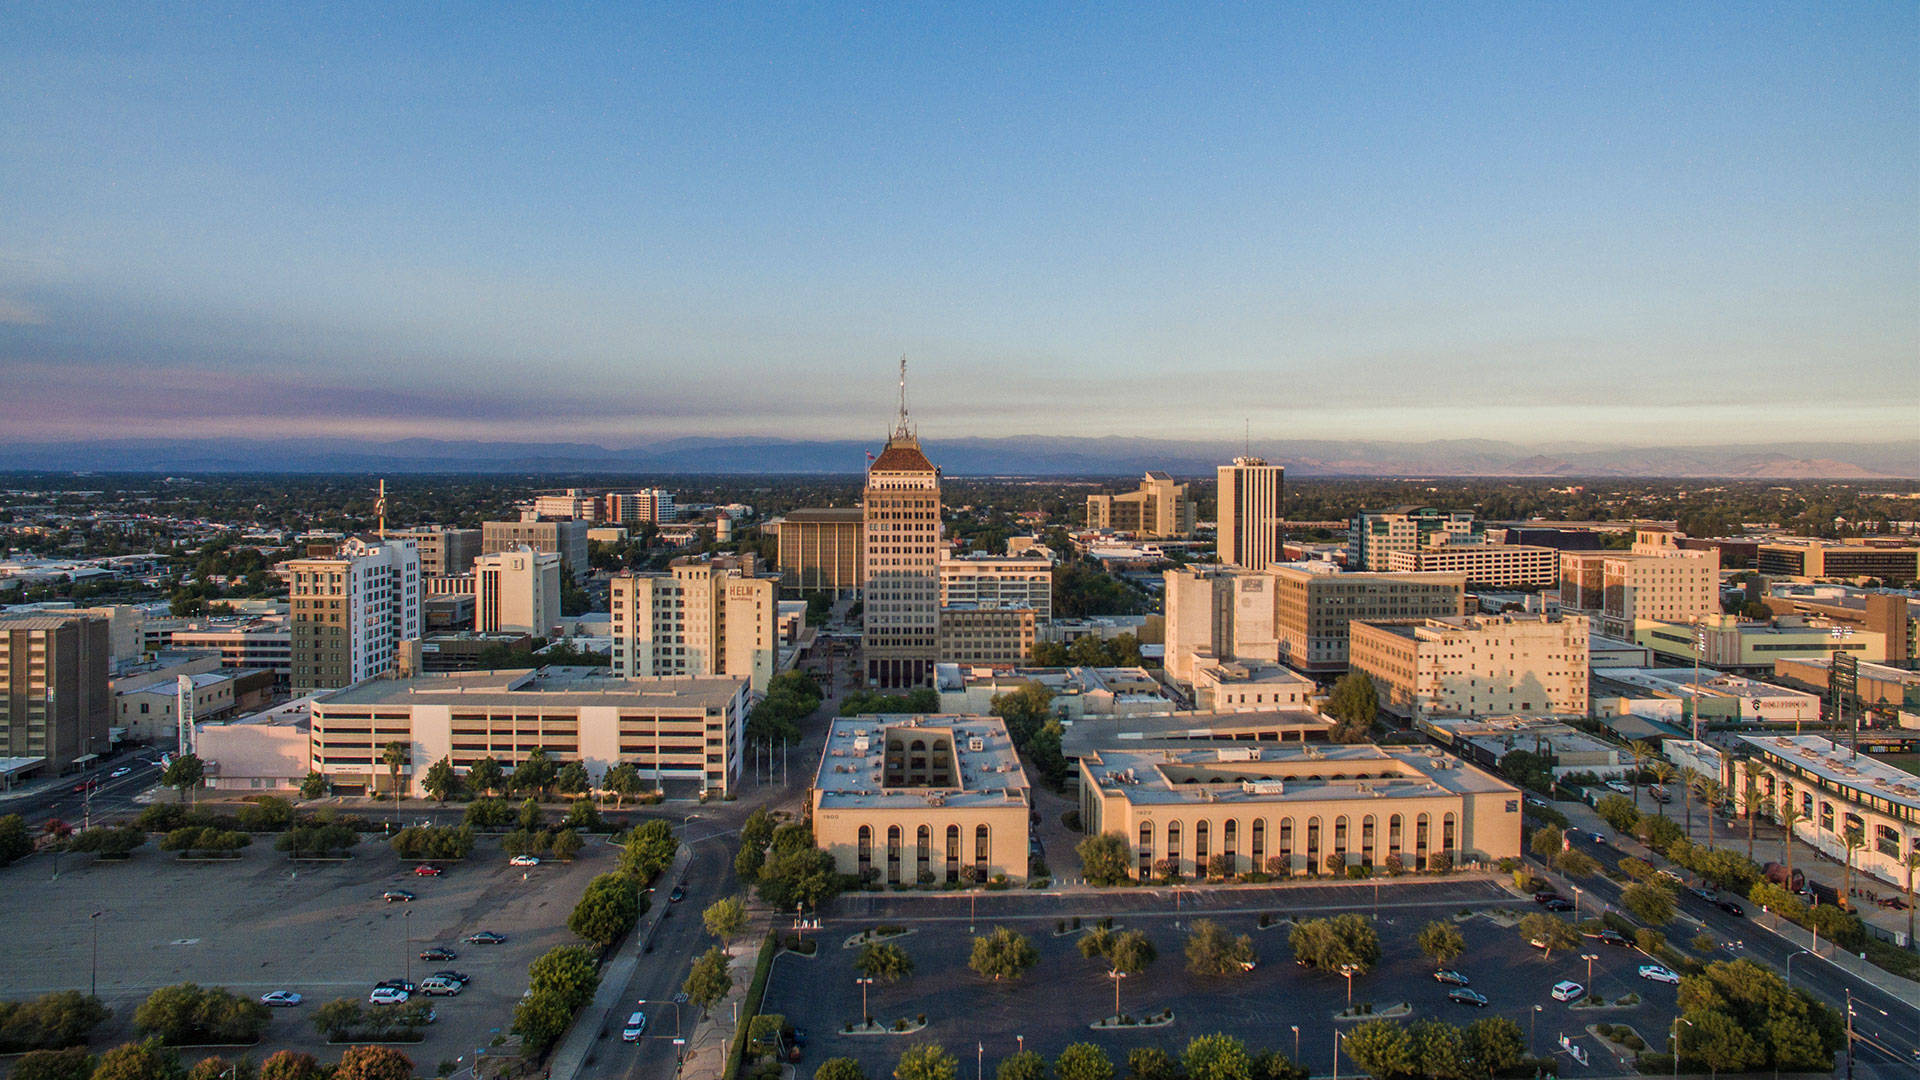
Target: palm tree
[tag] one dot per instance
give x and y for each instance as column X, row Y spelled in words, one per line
column 1853, row 839
column 1689, row 780
column 1750, row 794
column 1712, row 794
column 1790, row 816
column 1642, row 752
column 1662, row 771
column 394, row 755
column 1913, row 863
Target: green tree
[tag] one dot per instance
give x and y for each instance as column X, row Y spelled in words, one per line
column 623, row 783
column 806, row 877
column 1216, row 1057
column 709, row 981
column 1047, row 654
column 725, row 918
column 188, row 1014
column 1547, row 842
column 1380, row 1047
column 566, row 845
column 184, row 774
column 1151, row 1063
column 1105, row 858
column 373, row 1063
column 530, row 816
column 72, row 1063
column 1719, row 1042
column 50, row 1021
column 15, row 843
column 1353, row 705
column 535, row 774
column 1648, row 902
column 928, row 1061
column 394, row 756
column 1439, row 1051
column 1083, row 1061
column 883, row 961
column 1025, row 1065
column 839, row 1068
column 1002, row 954
column 540, row 1019
column 487, row 813
column 266, row 813
column 1550, row 932
column 1442, row 941
column 1212, row 951
column 571, row 779
column 148, row 1060
column 1024, row 709
column 567, row 971
column 290, row 1065
column 649, row 849
column 441, row 780
column 1333, row 943
column 314, row 786
column 1493, row 1044
column 608, row 909
column 486, row 776
column 1572, row 862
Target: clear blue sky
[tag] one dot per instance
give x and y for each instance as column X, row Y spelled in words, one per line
column 1636, row 223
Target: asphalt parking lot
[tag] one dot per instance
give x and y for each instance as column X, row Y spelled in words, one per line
column 1064, row 993
column 263, row 923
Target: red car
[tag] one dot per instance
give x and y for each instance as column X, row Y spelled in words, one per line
column 425, row 870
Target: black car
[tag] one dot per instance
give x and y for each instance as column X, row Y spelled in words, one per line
column 1732, row 909
column 439, row 954
column 1614, row 938
column 678, row 894
column 1452, row 977
column 486, row 937
column 1558, row 903
column 399, row 896
column 456, row 976
column 1468, row 997
column 1546, row 896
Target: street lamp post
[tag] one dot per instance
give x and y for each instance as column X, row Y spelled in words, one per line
column 93, row 984
column 1589, row 958
column 864, row 981
column 1533, row 1021
column 1677, row 1021
column 1347, row 970
column 1296, row 1044
column 1116, row 975
column 1336, row 1054
column 1791, row 959
column 408, row 920
column 1022, row 1040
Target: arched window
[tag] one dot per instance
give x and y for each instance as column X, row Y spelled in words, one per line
column 1201, row 850
column 893, row 854
column 1393, row 835
column 1313, row 845
column 1447, row 839
column 953, row 854
column 1286, row 842
column 866, row 850
column 1258, row 855
column 1366, row 841
column 1230, row 841
column 1826, row 816
column 1146, row 850
column 923, row 869
column 1173, row 845
column 982, row 846
column 1420, row 828
column 1340, row 835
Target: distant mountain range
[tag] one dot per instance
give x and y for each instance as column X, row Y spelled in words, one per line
column 1032, row 455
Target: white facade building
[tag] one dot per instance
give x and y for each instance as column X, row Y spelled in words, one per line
column 351, row 611
column 703, row 617
column 517, row 590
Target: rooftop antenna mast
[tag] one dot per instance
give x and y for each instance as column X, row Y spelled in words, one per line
column 380, row 508
column 1247, row 448
column 903, row 431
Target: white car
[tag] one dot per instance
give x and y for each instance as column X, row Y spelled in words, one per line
column 124, row 770
column 1568, row 991
column 1620, row 786
column 280, row 999
column 1659, row 974
column 524, row 860
column 387, row 995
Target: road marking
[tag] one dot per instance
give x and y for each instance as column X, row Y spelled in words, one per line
column 185, row 941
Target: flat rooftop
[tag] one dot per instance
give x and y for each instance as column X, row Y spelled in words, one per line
column 1258, row 775
column 555, row 687
column 1829, row 760
column 1092, row 734
column 1681, row 681
column 854, row 769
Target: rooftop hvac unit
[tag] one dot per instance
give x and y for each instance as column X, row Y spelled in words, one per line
column 861, row 745
column 976, row 744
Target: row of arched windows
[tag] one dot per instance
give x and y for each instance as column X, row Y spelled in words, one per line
column 1238, row 846
column 924, row 864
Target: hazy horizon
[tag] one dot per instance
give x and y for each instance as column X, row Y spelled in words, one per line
column 1628, row 225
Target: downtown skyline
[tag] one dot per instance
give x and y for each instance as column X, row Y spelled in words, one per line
column 1625, row 225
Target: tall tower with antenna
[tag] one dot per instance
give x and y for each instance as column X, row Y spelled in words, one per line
column 901, row 597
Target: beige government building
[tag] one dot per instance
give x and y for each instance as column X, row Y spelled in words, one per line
column 1301, row 803
column 1476, row 665
column 906, row 800
column 1158, row 510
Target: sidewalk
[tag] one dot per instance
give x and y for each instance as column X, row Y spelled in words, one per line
column 571, row 1055
column 711, row 1039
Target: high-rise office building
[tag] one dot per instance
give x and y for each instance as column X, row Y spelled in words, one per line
column 567, row 539
column 568, row 505
column 1250, row 513
column 901, row 631
column 653, row 504
column 351, row 611
column 55, row 702
column 703, row 617
column 1157, row 510
column 443, row 552
column 1374, row 533
column 517, row 590
column 820, row 549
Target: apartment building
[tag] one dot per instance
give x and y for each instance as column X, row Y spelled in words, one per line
column 703, row 617
column 1487, row 566
column 901, row 612
column 1621, row 591
column 986, row 634
column 686, row 732
column 568, row 505
column 351, row 612
column 1475, row 665
column 1158, row 509
column 443, row 552
column 1313, row 609
column 1372, row 534
column 516, row 590
column 1009, row 581
column 1251, row 512
column 922, row 800
column 652, row 505
column 1311, row 808
column 1896, row 562
column 821, row 550
column 54, row 700
column 567, row 539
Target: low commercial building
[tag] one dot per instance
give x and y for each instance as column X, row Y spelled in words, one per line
column 922, row 800
column 265, row 752
column 1250, row 803
column 1158, row 509
column 1315, row 608
column 1891, row 618
column 980, row 634
column 1076, row 691
column 684, row 731
column 1734, row 644
column 1182, row 730
column 1837, row 792
column 1894, row 561
column 1487, row 566
column 147, row 710
column 1373, row 534
column 258, row 644
column 466, row 650
column 1673, row 695
column 1877, row 685
column 821, row 550
column 1485, row 741
column 1250, row 686
column 1475, row 665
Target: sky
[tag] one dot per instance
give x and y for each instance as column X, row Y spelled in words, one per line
column 1637, row 224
